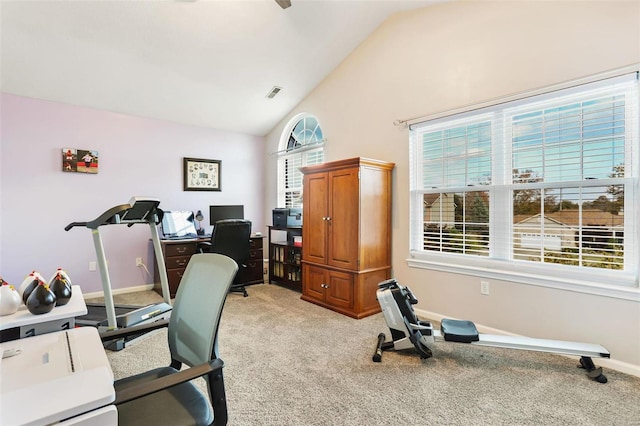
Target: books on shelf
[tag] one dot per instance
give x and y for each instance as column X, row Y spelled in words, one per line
column 286, row 263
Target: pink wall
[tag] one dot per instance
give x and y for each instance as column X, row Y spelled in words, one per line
column 138, row 156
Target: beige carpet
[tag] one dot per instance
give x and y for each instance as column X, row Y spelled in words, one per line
column 289, row 362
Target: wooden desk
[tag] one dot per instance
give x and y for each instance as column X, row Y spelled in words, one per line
column 42, row 386
column 177, row 254
column 23, row 323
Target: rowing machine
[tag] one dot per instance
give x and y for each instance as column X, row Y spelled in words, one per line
column 407, row 332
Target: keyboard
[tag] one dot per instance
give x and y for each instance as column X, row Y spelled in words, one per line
column 179, row 237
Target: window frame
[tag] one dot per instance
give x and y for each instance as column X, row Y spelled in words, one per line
column 285, row 153
column 623, row 284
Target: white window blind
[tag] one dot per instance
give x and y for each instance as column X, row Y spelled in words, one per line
column 548, row 180
column 563, row 150
column 303, row 146
column 457, row 157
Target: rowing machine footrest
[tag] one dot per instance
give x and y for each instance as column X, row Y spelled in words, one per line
column 459, row 331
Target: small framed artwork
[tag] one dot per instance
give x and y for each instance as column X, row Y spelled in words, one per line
column 201, row 174
column 79, row 160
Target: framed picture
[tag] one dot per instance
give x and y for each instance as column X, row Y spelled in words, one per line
column 79, row 160
column 201, row 174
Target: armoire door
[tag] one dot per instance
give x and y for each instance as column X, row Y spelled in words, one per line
column 339, row 289
column 315, row 208
column 343, row 224
column 313, row 282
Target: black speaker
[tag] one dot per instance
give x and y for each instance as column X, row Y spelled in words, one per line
column 280, row 218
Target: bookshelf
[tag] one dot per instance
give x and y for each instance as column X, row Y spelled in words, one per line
column 285, row 256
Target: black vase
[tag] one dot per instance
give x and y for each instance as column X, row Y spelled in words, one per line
column 61, row 289
column 28, row 289
column 41, row 300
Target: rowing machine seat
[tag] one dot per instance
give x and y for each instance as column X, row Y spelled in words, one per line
column 459, row 331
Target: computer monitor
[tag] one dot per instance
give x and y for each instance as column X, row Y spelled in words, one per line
column 217, row 213
column 177, row 224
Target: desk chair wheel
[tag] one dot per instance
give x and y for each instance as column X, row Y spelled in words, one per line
column 239, row 289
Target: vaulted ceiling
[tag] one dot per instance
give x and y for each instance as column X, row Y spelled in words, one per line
column 203, row 63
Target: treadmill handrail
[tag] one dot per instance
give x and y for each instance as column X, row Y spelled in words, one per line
column 118, row 215
column 74, row 224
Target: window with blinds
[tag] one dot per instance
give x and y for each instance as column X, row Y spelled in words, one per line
column 457, row 158
column 550, row 179
column 304, row 147
column 568, row 174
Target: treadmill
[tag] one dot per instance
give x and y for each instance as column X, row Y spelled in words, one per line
column 107, row 316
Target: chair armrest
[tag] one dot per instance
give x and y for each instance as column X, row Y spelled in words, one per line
column 106, row 336
column 165, row 382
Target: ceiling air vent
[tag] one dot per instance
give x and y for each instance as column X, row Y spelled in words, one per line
column 273, row 92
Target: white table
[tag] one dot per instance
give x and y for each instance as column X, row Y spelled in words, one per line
column 26, row 324
column 57, row 376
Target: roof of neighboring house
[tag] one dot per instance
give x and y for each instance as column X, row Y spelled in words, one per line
column 429, row 199
column 522, row 218
column 572, row 217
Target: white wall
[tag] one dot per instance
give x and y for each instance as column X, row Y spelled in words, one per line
column 137, row 156
column 455, row 54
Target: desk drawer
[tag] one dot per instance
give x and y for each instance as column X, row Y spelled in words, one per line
column 255, row 255
column 184, row 249
column 252, row 274
column 177, row 262
column 174, row 276
column 255, row 243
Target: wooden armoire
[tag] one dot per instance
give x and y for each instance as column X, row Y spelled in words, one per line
column 346, row 234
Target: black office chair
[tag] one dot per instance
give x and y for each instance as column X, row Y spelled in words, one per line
column 165, row 396
column 232, row 237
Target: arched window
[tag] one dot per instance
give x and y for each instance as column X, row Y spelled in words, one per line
column 302, row 144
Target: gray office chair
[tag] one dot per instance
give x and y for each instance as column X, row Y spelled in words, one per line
column 165, row 396
column 232, row 237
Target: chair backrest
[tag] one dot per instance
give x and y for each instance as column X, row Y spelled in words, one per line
column 193, row 326
column 232, row 237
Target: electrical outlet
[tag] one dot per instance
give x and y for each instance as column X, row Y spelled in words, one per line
column 139, row 261
column 92, row 266
column 484, row 287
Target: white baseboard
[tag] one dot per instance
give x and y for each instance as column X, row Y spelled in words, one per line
column 613, row 364
column 144, row 287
